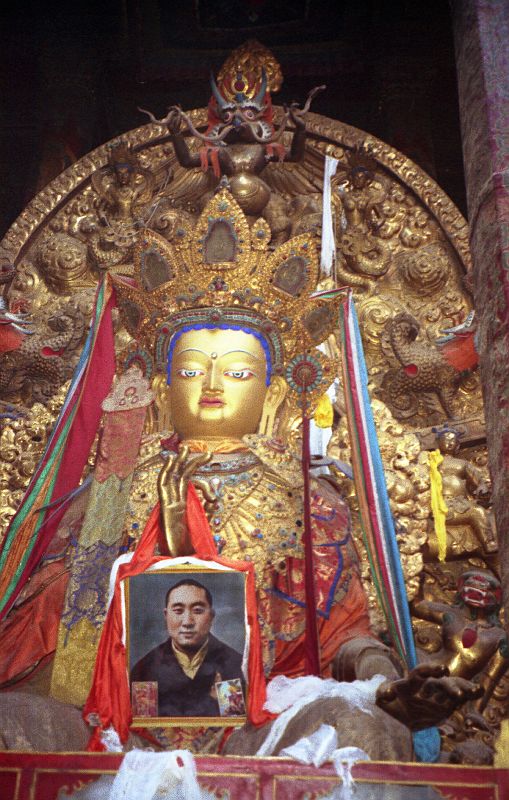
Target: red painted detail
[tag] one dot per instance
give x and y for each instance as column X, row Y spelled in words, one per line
column 171, row 443
column 411, row 370
column 20, row 304
column 10, row 338
column 469, row 637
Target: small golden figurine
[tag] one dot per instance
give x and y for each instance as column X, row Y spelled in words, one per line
column 466, row 491
column 124, row 190
column 124, row 185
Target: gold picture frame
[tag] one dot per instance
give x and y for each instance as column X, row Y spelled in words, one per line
column 186, row 643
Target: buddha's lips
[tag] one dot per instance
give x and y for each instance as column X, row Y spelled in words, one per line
column 215, row 402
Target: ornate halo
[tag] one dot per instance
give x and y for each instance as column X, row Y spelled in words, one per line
column 308, row 375
column 304, row 373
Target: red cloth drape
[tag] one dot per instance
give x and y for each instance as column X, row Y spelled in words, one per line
column 347, row 620
column 95, row 385
column 109, row 696
column 461, row 353
column 29, row 636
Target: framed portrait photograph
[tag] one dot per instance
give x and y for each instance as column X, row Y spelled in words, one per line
column 186, row 640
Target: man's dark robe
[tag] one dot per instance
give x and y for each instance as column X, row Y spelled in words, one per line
column 179, row 695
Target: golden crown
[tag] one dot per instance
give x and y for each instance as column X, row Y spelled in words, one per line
column 221, row 273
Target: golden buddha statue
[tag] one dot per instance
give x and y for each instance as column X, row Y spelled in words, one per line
column 225, row 341
column 230, row 334
column 237, row 341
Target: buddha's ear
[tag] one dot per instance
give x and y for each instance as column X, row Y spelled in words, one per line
column 276, row 393
column 162, row 397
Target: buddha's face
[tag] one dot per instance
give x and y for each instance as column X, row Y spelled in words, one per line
column 123, row 174
column 448, row 442
column 217, row 385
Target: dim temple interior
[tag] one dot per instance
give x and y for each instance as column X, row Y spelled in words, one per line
column 254, row 431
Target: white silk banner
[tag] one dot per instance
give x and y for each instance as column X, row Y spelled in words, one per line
column 328, row 241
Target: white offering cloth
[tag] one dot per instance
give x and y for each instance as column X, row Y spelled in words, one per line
column 322, row 746
column 287, row 696
column 328, row 239
column 156, row 776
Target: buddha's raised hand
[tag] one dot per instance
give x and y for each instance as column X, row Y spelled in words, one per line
column 172, row 487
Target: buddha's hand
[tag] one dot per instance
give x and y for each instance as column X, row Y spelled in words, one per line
column 426, row 697
column 172, row 488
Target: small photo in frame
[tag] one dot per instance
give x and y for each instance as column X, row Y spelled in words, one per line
column 185, row 639
column 144, row 698
column 230, row 698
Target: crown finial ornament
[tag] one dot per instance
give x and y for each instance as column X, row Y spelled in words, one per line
column 120, row 153
column 251, row 58
column 222, row 274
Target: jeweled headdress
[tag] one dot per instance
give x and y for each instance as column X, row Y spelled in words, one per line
column 121, row 154
column 222, row 273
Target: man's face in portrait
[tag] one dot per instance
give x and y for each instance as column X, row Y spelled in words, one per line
column 189, row 617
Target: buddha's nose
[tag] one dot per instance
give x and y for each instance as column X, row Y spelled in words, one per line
column 213, row 379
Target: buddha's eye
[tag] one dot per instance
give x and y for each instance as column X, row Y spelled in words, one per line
column 189, row 373
column 240, row 374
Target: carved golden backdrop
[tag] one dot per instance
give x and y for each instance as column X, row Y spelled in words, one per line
column 401, row 243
